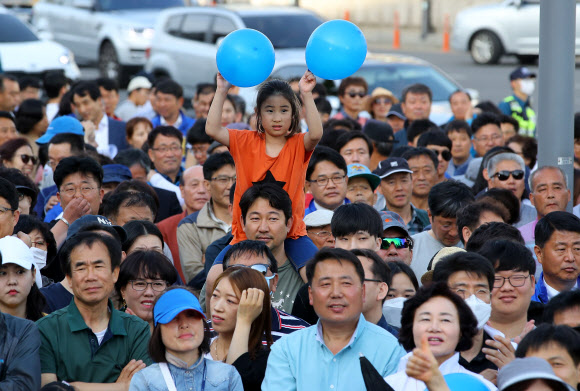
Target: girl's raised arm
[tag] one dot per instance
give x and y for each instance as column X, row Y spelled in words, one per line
column 313, row 120
column 213, row 126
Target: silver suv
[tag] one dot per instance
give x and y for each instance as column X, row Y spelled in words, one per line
column 112, row 33
column 509, row 27
column 186, row 39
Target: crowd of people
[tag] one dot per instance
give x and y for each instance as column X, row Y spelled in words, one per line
column 149, row 246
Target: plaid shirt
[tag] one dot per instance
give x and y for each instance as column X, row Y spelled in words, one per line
column 419, row 220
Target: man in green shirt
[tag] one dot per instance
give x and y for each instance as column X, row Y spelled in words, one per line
column 89, row 342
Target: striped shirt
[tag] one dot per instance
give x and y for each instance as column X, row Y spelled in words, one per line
column 284, row 323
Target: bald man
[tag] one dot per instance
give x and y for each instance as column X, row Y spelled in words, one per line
column 195, row 195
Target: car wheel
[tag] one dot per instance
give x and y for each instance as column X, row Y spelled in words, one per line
column 108, row 62
column 527, row 59
column 485, row 48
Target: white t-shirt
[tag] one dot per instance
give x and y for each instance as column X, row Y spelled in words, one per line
column 100, row 335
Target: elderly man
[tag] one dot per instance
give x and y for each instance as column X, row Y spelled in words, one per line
column 89, row 342
column 557, row 250
column 507, row 171
column 195, row 195
column 198, row 230
column 318, row 228
column 548, row 193
column 326, row 356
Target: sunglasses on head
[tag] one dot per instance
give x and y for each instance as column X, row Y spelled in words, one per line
column 398, row 242
column 505, row 174
column 445, row 154
column 27, row 158
column 359, row 94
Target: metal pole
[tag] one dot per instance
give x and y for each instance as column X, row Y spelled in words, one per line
column 555, row 126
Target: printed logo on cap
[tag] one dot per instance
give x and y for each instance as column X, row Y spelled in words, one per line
column 394, row 164
column 104, row 221
column 357, row 167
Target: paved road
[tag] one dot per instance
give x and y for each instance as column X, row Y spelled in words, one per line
column 492, row 81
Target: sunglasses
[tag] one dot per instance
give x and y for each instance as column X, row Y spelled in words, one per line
column 384, row 101
column 27, row 158
column 445, row 154
column 398, row 242
column 359, row 94
column 504, row 175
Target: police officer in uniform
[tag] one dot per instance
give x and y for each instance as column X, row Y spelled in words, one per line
column 517, row 105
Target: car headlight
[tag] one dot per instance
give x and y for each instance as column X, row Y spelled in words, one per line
column 66, row 58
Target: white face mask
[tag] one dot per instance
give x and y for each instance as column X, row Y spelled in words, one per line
column 480, row 309
column 392, row 311
column 527, row 86
column 39, row 257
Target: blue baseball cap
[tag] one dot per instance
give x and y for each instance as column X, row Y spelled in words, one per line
column 64, row 124
column 360, row 170
column 116, row 173
column 172, row 302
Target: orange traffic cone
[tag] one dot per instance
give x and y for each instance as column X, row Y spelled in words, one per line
column 446, row 48
column 396, row 32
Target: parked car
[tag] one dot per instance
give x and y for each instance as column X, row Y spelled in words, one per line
column 186, row 39
column 22, row 52
column 511, row 27
column 113, row 34
column 391, row 71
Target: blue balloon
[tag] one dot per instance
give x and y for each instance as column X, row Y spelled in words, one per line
column 245, row 57
column 335, row 50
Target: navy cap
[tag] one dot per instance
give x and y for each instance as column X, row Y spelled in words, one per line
column 392, row 165
column 64, row 124
column 397, row 111
column 379, row 131
column 116, row 173
column 172, row 302
column 90, row 219
column 522, row 73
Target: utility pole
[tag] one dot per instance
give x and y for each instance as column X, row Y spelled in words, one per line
column 555, row 125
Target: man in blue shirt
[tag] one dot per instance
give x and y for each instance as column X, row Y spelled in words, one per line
column 169, row 96
column 326, row 356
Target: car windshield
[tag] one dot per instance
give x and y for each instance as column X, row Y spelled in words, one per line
column 275, row 27
column 395, row 77
column 114, row 5
column 13, row 30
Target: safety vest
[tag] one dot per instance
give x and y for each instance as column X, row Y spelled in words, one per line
column 526, row 120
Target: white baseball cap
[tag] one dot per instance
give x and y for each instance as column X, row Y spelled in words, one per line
column 318, row 218
column 15, row 251
column 138, row 82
